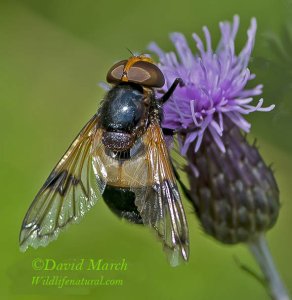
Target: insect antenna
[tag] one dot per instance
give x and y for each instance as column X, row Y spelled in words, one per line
column 131, row 52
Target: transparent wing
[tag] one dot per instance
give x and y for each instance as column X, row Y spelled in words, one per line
column 159, row 203
column 71, row 189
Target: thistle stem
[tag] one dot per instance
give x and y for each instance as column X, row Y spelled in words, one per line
column 263, row 257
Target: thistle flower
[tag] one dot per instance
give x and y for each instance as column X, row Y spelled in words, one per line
column 234, row 193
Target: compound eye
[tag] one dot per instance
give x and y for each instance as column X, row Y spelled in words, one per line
column 146, row 74
column 141, row 72
column 115, row 73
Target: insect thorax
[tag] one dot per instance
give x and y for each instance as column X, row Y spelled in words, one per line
column 125, row 115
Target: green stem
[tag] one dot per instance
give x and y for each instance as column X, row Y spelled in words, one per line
column 262, row 255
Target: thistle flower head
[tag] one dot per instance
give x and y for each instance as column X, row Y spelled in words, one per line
column 233, row 192
column 215, row 85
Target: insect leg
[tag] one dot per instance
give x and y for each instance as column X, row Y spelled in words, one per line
column 185, row 190
column 168, row 94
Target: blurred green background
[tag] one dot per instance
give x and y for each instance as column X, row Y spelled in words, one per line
column 52, row 55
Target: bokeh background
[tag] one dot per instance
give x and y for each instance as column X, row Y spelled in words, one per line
column 52, row 56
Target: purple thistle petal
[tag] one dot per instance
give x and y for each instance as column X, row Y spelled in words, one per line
column 104, row 86
column 217, row 139
column 182, row 49
column 157, row 50
column 208, row 40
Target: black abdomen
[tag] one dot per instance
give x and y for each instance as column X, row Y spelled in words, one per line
column 121, row 201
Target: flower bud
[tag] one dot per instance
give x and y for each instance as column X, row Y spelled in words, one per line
column 235, row 195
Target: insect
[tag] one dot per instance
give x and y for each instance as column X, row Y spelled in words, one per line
column 120, row 155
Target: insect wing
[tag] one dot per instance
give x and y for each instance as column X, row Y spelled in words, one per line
column 71, row 189
column 159, row 204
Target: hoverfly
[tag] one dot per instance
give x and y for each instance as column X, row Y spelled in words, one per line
column 119, row 154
